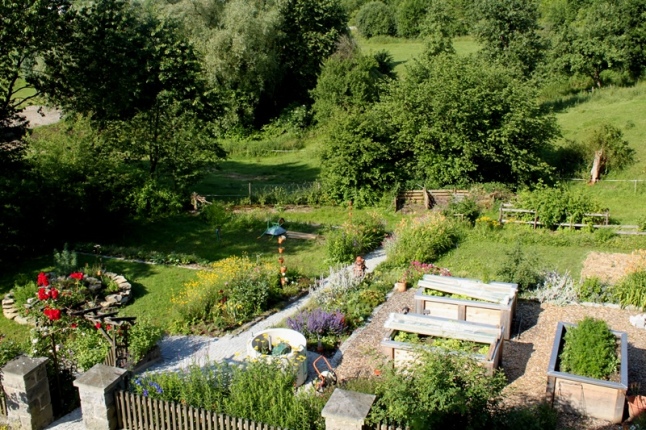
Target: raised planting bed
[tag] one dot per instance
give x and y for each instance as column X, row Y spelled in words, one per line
column 434, row 332
column 282, row 345
column 597, row 398
column 467, row 300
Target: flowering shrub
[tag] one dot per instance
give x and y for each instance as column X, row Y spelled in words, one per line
column 318, row 323
column 230, row 293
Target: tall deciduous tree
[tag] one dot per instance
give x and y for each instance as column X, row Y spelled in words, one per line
column 28, row 29
column 309, row 31
column 508, row 30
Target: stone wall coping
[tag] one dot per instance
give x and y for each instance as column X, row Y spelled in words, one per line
column 23, row 365
column 348, row 406
column 100, row 378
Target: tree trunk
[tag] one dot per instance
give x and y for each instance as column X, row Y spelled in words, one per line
column 597, row 166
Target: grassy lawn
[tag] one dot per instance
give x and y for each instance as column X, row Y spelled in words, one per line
column 403, row 50
column 624, row 108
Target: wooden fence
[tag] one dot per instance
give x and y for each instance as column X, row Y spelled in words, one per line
column 604, row 218
column 135, row 412
column 428, row 198
column 382, row 426
column 3, row 402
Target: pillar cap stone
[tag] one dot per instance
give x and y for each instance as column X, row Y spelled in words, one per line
column 100, row 377
column 348, row 405
column 23, row 365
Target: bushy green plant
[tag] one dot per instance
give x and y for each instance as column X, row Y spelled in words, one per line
column 244, row 391
column 422, row 239
column 466, row 209
column 355, row 237
column 590, row 349
column 65, row 260
column 439, row 391
column 8, row 351
column 376, row 19
column 631, row 290
column 86, row 347
column 22, row 293
column 541, row 416
column 143, row 337
column 594, row 290
column 520, row 269
column 558, row 205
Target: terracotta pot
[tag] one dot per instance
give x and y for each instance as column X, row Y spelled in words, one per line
column 636, row 405
column 281, row 260
column 281, row 250
column 400, row 286
column 283, row 269
column 281, row 239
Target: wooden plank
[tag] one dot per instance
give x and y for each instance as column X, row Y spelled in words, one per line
column 442, row 310
column 433, row 326
column 475, row 291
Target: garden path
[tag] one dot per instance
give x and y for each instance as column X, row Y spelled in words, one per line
column 179, row 352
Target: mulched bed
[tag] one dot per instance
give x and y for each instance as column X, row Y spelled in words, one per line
column 525, row 357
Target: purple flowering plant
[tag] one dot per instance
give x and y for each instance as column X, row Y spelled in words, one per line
column 318, row 323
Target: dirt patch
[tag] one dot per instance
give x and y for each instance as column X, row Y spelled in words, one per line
column 41, row 115
column 525, row 357
column 612, row 267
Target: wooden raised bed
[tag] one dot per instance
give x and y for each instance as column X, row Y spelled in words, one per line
column 593, row 397
column 492, row 303
column 404, row 352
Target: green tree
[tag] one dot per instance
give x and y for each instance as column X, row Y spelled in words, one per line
column 592, row 37
column 509, row 32
column 242, row 58
column 606, row 145
column 376, row 19
column 469, row 120
column 310, row 30
column 350, row 83
column 29, row 29
column 117, row 60
column 410, row 15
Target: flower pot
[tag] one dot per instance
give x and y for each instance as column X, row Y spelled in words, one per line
column 281, row 250
column 636, row 405
column 283, row 269
column 281, row 260
column 400, row 287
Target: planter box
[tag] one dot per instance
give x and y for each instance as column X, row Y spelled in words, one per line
column 593, row 397
column 404, row 352
column 492, row 303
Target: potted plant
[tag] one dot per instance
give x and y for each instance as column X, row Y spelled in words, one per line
column 588, row 369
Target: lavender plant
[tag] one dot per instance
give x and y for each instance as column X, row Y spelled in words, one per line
column 318, row 323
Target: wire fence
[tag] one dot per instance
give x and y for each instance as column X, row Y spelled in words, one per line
column 633, row 181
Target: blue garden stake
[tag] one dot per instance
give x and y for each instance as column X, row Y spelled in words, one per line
column 217, row 233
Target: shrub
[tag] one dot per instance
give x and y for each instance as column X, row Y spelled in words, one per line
column 8, row 351
column 65, row 261
column 594, row 290
column 143, row 337
column 422, row 239
column 466, row 209
column 520, row 269
column 230, row 293
column 590, row 350
column 356, row 237
column 410, row 15
column 376, row 19
column 559, row 205
column 557, row 289
column 86, row 348
column 631, row 290
column 439, row 391
column 541, row 416
column 260, row 391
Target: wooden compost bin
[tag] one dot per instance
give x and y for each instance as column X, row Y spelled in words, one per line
column 492, row 303
column 404, row 352
column 593, row 397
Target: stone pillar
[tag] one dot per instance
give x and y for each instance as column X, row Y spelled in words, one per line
column 96, row 390
column 26, row 387
column 347, row 410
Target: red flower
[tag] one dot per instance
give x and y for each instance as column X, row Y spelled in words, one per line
column 43, row 281
column 73, row 325
column 43, row 293
column 108, row 327
column 97, row 325
column 77, row 275
column 54, row 293
column 52, row 314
